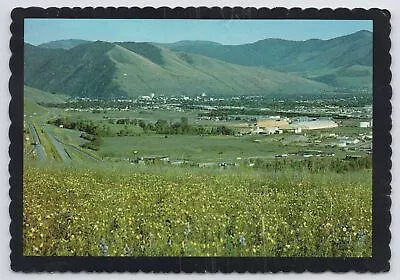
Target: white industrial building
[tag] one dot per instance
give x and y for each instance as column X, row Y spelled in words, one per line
column 314, row 124
column 365, row 124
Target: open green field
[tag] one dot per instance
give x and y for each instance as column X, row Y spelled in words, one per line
column 190, row 147
column 97, row 203
column 196, row 148
column 202, row 148
column 121, row 210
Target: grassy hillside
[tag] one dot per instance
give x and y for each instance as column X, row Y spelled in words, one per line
column 36, row 61
column 270, row 66
column 31, row 107
column 193, row 74
column 85, row 70
column 102, row 69
column 63, row 44
column 293, row 56
column 39, row 96
column 146, row 50
column 34, row 96
column 302, row 57
column 348, row 76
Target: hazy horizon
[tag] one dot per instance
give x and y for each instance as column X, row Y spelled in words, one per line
column 193, row 40
column 225, row 32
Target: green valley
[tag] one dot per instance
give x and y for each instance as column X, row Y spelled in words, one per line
column 198, row 149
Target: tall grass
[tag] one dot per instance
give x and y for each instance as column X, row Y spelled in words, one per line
column 134, row 210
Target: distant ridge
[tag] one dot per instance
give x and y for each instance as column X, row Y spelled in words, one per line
column 270, row 66
column 289, row 56
column 331, row 61
column 63, row 44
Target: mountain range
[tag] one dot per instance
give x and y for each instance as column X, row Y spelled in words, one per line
column 271, row 66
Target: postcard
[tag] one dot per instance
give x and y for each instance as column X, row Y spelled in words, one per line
column 200, row 139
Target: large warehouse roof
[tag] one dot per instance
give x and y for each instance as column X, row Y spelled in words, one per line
column 315, row 124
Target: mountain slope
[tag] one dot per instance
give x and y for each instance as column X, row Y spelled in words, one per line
column 303, row 57
column 38, row 96
column 193, row 74
column 288, row 56
column 107, row 70
column 85, row 70
column 31, row 100
column 63, row 44
column 37, row 59
column 346, row 77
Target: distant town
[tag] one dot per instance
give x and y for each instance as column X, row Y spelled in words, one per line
column 318, row 127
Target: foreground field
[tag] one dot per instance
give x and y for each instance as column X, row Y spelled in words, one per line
column 169, row 211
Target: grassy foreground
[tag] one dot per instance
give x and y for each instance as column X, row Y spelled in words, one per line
column 182, row 212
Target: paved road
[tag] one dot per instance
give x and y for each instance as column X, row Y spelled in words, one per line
column 38, row 147
column 80, row 151
column 57, row 144
column 60, row 146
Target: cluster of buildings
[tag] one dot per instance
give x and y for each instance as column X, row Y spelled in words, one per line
column 277, row 125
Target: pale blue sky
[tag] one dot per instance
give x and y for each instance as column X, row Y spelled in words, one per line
column 233, row 32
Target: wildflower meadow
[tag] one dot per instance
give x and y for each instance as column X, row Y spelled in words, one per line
column 98, row 212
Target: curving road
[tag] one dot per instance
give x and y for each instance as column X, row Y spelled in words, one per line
column 60, row 146
column 57, row 144
column 38, row 147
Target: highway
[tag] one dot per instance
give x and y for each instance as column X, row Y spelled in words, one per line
column 38, row 147
column 60, row 146
column 80, row 151
column 57, row 144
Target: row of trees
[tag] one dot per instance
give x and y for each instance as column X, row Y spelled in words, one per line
column 87, row 126
column 183, row 127
column 317, row 165
column 160, row 127
column 94, row 143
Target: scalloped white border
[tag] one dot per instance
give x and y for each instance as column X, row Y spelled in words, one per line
column 7, row 5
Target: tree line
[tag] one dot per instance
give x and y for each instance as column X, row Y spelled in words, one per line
column 183, row 127
column 159, row 127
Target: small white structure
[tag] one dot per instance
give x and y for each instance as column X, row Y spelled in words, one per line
column 258, row 130
column 270, row 130
column 275, row 117
column 297, row 130
column 365, row 124
column 355, row 141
